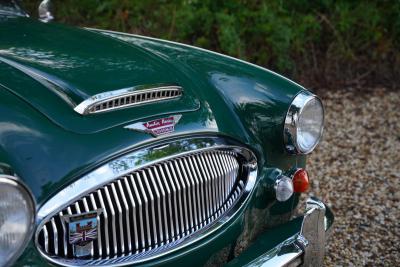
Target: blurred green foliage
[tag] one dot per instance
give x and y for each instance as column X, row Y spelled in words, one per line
column 321, row 43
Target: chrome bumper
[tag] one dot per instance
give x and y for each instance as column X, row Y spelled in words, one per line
column 307, row 247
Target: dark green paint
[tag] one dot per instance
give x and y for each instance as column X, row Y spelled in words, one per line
column 49, row 145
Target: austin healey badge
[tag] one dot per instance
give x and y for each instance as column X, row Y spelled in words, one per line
column 82, row 231
column 156, row 127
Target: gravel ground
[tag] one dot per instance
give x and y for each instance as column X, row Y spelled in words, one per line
column 356, row 170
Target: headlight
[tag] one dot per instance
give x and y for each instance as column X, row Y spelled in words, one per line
column 304, row 124
column 17, row 218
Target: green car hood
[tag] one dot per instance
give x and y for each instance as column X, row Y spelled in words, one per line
column 54, row 68
column 49, row 145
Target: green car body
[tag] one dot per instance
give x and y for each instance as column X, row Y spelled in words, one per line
column 46, row 69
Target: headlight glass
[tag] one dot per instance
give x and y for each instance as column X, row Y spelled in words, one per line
column 304, row 123
column 310, row 125
column 17, row 214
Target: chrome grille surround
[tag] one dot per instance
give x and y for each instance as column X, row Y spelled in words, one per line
column 128, row 97
column 154, row 233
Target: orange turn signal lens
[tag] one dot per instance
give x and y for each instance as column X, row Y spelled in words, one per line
column 300, row 181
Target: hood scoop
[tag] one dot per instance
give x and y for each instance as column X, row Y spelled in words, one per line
column 128, row 97
column 86, row 82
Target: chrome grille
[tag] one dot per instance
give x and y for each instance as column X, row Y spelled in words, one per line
column 124, row 98
column 153, row 207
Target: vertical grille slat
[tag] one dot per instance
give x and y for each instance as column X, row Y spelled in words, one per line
column 64, row 233
column 105, row 216
column 46, row 238
column 183, row 194
column 120, row 219
column 171, row 208
column 203, row 188
column 133, row 216
column 218, row 174
column 77, row 208
column 177, row 202
column 154, row 239
column 231, row 167
column 145, row 209
column 210, row 201
column 86, row 208
column 200, row 190
column 127, row 220
column 159, row 230
column 213, row 179
column 99, row 242
column 85, row 205
column 154, row 206
column 189, row 194
column 225, row 178
column 113, row 229
column 55, row 236
column 139, row 211
column 194, row 194
column 226, row 166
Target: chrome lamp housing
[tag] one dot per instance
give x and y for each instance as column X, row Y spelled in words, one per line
column 304, row 124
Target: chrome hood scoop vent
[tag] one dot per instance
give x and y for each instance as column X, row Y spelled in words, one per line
column 128, row 97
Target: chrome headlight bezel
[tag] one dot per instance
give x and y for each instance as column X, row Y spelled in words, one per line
column 291, row 124
column 27, row 195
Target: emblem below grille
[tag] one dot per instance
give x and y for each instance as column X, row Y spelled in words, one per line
column 153, row 209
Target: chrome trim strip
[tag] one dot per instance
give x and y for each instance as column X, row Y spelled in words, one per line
column 287, row 253
column 131, row 96
column 140, row 159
